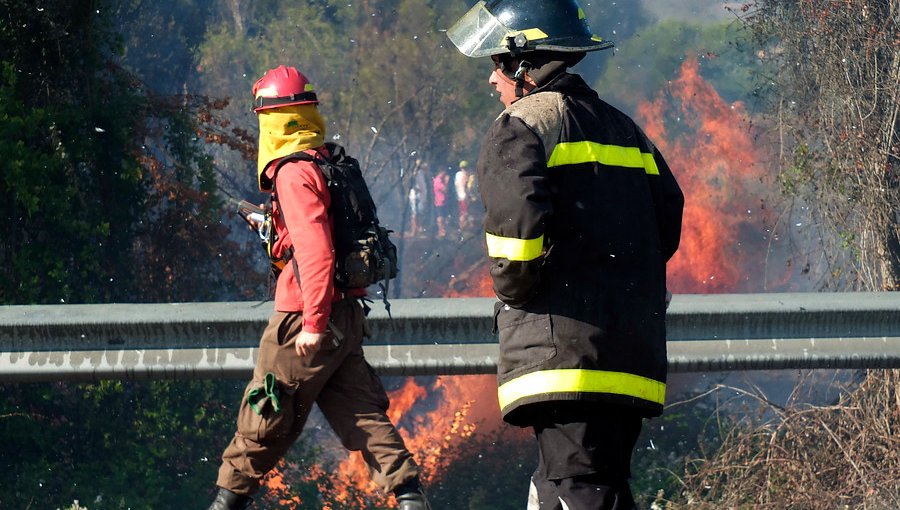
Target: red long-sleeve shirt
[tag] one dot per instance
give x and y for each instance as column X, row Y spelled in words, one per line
column 301, row 214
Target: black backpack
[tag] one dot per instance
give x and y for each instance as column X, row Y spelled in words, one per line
column 364, row 253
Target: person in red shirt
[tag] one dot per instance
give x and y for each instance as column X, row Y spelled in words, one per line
column 461, row 187
column 439, row 185
column 311, row 350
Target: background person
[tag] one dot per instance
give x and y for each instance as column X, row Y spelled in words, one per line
column 439, row 187
column 417, row 196
column 461, row 188
column 415, row 207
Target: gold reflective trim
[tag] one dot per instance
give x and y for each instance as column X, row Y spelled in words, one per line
column 573, row 153
column 582, row 381
column 531, row 34
column 511, row 248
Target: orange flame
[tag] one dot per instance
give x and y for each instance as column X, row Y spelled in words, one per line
column 473, row 285
column 465, row 404
column 277, row 491
column 710, row 147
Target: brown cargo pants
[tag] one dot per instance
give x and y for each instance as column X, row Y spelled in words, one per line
column 277, row 402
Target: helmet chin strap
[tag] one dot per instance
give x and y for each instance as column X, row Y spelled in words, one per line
column 524, row 66
column 516, row 45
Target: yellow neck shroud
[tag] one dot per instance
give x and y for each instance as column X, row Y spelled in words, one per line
column 284, row 131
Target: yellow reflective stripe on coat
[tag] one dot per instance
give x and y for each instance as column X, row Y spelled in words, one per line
column 573, row 153
column 582, row 381
column 511, row 248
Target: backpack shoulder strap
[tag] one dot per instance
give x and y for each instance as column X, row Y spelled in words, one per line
column 336, row 152
column 297, row 156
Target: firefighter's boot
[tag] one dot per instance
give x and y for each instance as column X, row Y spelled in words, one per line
column 411, row 496
column 227, row 500
column 415, row 500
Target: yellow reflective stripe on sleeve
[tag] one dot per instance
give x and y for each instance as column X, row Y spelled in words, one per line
column 650, row 167
column 583, row 381
column 573, row 153
column 511, row 248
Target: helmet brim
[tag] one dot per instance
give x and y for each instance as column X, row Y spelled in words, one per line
column 481, row 34
column 478, row 33
column 267, row 103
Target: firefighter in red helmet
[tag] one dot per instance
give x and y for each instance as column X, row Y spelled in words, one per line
column 282, row 86
column 581, row 215
column 311, row 351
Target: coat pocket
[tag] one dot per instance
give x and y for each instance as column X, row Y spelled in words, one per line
column 526, row 340
column 267, row 410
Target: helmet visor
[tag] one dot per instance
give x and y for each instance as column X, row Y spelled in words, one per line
column 479, row 33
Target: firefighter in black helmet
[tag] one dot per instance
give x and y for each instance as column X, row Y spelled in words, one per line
column 581, row 215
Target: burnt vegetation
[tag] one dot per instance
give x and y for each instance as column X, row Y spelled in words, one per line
column 845, row 455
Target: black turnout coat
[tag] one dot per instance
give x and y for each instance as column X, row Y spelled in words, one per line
column 582, row 214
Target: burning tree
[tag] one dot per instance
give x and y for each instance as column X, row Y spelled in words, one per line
column 834, row 85
column 710, row 145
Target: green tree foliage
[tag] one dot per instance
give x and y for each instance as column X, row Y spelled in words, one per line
column 616, row 21
column 613, row 21
column 158, row 38
column 643, row 65
column 70, row 193
column 104, row 187
column 114, row 444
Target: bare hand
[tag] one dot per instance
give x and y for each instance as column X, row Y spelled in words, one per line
column 252, row 221
column 307, row 344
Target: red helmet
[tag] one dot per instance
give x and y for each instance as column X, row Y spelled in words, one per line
column 282, row 86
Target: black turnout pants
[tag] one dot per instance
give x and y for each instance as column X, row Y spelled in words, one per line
column 584, row 459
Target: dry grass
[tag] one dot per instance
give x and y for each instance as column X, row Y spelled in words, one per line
column 812, row 457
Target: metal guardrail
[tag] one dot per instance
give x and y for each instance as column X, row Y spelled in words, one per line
column 437, row 336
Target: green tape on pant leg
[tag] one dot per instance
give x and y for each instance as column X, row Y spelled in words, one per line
column 257, row 397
